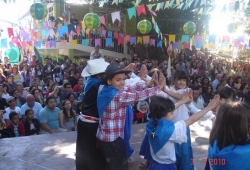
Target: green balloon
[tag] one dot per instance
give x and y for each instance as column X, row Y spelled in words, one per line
column 189, row 27
column 12, row 54
column 91, row 20
column 38, row 11
column 144, row 26
column 232, row 27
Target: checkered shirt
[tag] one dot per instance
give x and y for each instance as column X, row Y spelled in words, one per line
column 112, row 122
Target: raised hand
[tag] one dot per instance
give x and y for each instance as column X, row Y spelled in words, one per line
column 153, row 81
column 214, row 103
column 130, row 67
column 188, row 97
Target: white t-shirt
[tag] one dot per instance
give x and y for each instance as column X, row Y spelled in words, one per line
column 8, row 111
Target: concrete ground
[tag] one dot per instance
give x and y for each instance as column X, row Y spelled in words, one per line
column 57, row 151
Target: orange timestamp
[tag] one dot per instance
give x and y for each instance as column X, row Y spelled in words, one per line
column 212, row 161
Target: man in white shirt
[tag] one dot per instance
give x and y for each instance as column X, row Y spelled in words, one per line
column 196, row 101
column 216, row 81
column 96, row 54
column 12, row 108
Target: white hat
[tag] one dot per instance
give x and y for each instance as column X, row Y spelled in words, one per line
column 9, row 99
column 94, row 67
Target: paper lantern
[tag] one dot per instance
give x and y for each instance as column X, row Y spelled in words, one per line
column 232, row 27
column 91, row 20
column 38, row 11
column 144, row 26
column 189, row 28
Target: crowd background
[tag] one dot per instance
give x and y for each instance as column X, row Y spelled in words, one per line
column 26, row 85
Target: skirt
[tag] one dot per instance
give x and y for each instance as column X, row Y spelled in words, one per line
column 184, row 154
column 145, row 149
column 157, row 166
column 88, row 156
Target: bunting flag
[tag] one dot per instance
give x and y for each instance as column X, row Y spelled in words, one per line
column 83, row 33
column 153, row 13
column 43, row 34
column 159, row 44
column 127, row 38
column 10, row 32
column 196, row 3
column 3, row 43
column 49, row 33
column 116, row 16
column 38, row 44
column 102, row 19
column 185, row 38
column 131, row 12
column 152, row 42
column 176, row 45
column 180, row 6
column 108, row 42
column 150, row 6
column 166, row 5
column 145, row 40
column 53, row 43
column 186, row 45
column 83, row 25
column 73, row 43
column 171, row 38
column 212, row 39
column 78, row 30
column 97, row 42
column 139, row 40
column 72, row 33
column 47, row 44
column 104, row 32
column 115, row 2
column 121, row 41
column 38, row 35
column 140, row 10
column 132, row 40
column 63, row 42
column 198, row 41
column 85, row 42
column 171, row 3
column 99, row 31
column 203, row 2
column 110, row 33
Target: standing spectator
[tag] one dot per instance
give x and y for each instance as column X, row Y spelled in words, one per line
column 33, row 61
column 74, row 75
column 11, row 84
column 31, row 104
column 96, row 54
column 27, row 76
column 49, row 117
column 47, row 69
column 31, row 124
column 12, row 108
column 15, row 126
column 18, row 78
column 73, row 20
column 37, row 72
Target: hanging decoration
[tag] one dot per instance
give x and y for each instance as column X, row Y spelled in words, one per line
column 232, row 27
column 144, row 26
column 189, row 27
column 38, row 11
column 91, row 20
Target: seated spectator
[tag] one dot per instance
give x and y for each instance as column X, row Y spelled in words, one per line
column 38, row 96
column 67, row 116
column 19, row 100
column 196, row 101
column 11, row 84
column 56, row 91
column 31, row 104
column 67, row 90
column 73, row 101
column 16, row 127
column 3, row 103
column 4, row 132
column 23, row 93
column 49, row 117
column 76, row 88
column 12, row 108
column 5, row 93
column 31, row 124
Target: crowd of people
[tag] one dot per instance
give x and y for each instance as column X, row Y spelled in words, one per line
column 102, row 99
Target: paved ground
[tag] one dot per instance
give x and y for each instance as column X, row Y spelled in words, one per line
column 56, row 152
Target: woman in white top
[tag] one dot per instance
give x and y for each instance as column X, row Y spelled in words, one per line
column 67, row 117
column 163, row 133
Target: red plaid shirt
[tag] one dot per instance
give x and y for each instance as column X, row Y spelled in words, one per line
column 112, row 122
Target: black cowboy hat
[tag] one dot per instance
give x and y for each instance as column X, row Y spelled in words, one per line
column 113, row 69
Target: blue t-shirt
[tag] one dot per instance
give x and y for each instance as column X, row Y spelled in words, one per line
column 51, row 117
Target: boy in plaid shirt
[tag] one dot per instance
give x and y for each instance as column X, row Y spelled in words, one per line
column 112, row 102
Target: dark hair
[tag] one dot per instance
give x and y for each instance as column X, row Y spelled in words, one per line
column 231, row 125
column 48, row 98
column 237, row 78
column 77, row 107
column 180, row 74
column 66, row 84
column 27, row 111
column 159, row 107
column 12, row 114
column 68, row 95
column 64, row 110
column 227, row 93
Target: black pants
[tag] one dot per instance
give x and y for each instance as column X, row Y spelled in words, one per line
column 88, row 156
column 115, row 154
